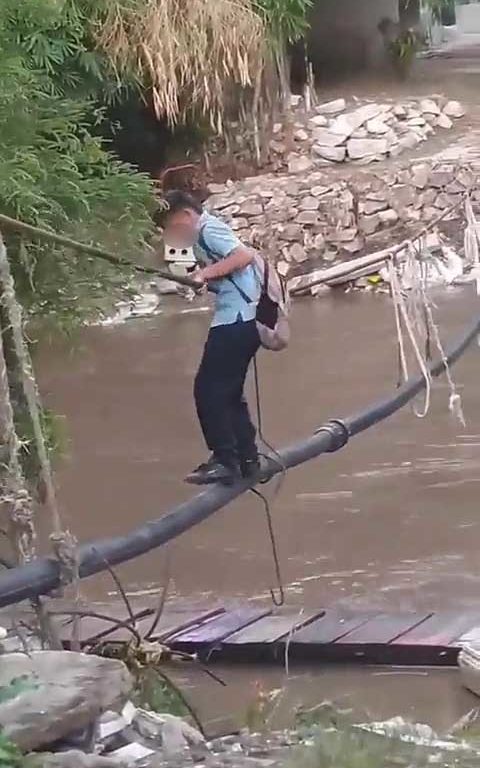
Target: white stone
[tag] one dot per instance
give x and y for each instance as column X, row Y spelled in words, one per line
column 283, row 268
column 299, row 164
column 336, row 154
column 301, row 135
column 409, row 141
column 319, row 242
column 345, row 125
column 361, row 148
column 307, row 218
column 369, row 224
column 360, row 133
column 453, row 109
column 295, row 99
column 372, row 206
column 309, row 203
column 331, row 107
column 416, row 121
column 377, row 126
column 443, row 121
column 318, row 121
column 429, row 106
column 68, row 692
column 400, row 111
column 319, row 190
column 326, row 138
column 389, row 216
column 297, row 253
column 216, row 189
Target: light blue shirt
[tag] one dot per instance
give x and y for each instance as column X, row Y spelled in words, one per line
column 217, row 241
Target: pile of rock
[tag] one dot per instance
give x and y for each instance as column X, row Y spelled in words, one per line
column 335, row 133
column 313, row 217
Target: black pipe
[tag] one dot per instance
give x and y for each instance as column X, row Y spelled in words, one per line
column 43, row 575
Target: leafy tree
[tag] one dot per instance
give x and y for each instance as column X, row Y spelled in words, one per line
column 54, row 172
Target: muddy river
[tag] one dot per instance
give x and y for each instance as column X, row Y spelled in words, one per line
column 390, row 522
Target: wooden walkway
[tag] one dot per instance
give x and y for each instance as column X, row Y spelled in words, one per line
column 250, row 633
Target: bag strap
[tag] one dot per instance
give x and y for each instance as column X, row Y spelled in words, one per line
column 213, row 256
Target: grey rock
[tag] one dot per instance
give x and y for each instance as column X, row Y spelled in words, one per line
column 283, row 268
column 377, row 127
column 346, row 124
column 71, row 759
column 53, row 708
column 372, row 206
column 331, row 107
column 319, row 242
column 279, row 147
column 369, row 224
column 299, row 164
column 453, row 109
column 334, row 154
column 443, row 121
column 360, row 133
column 308, row 218
column 354, row 246
column 416, row 122
column 171, row 732
column 309, row 203
column 239, row 223
column 319, row 190
column 216, row 189
column 326, row 138
column 297, row 253
column 429, row 106
column 400, row 112
column 443, row 201
column 250, row 208
column 361, row 148
column 389, row 216
column 409, row 141
column 420, row 176
column 318, row 121
column 291, row 232
column 440, row 179
column 301, row 135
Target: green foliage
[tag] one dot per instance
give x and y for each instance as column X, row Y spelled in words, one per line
column 287, row 20
column 54, row 172
column 155, row 694
column 10, row 755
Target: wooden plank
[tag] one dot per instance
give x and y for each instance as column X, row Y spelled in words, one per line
column 382, row 629
column 441, row 629
column 217, row 629
column 272, row 629
column 332, row 626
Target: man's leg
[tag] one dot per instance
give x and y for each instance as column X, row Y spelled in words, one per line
column 216, row 380
column 244, row 430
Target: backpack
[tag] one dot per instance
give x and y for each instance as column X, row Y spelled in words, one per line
column 273, row 305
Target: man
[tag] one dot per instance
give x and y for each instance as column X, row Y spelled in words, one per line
column 227, row 268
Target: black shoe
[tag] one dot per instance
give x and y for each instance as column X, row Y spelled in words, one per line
column 250, row 468
column 213, row 472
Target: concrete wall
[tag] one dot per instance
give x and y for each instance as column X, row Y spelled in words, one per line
column 344, row 35
column 468, row 18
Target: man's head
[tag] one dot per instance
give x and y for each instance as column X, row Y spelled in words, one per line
column 181, row 218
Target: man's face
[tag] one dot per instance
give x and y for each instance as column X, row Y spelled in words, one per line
column 182, row 227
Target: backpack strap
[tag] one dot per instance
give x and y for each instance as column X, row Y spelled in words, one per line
column 203, row 245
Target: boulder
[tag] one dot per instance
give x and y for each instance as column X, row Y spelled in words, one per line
column 453, row 109
column 301, row 135
column 372, row 206
column 291, row 232
column 309, row 203
column 389, row 216
column 251, row 208
column 331, row 107
column 318, row 121
column 377, row 127
column 297, row 253
column 239, row 223
column 420, row 175
column 369, row 224
column 361, row 148
column 299, row 164
column 307, row 218
column 443, row 121
column 429, row 106
column 400, row 112
column 335, row 154
column 346, row 124
column 64, row 692
column 408, row 141
column 172, row 733
column 326, row 138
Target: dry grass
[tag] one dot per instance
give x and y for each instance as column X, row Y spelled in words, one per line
column 189, row 51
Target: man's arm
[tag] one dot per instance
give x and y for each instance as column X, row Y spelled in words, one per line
column 238, row 259
column 223, row 242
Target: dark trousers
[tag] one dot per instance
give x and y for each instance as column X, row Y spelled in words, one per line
column 221, row 406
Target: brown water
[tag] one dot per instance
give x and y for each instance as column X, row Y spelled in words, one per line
column 391, row 521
